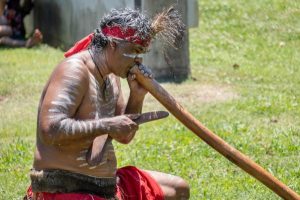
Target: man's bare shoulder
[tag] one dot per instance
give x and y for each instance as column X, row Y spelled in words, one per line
column 74, row 63
column 73, row 66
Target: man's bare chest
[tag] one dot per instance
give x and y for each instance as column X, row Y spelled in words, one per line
column 100, row 100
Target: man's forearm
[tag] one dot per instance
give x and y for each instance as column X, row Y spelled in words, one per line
column 68, row 129
column 134, row 104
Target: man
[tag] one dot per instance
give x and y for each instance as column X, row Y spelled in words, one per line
column 82, row 108
column 12, row 29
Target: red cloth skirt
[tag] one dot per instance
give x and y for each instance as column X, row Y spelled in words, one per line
column 134, row 184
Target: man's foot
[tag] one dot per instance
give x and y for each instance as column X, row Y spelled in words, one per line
column 35, row 39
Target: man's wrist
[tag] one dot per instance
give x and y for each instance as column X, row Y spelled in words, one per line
column 103, row 126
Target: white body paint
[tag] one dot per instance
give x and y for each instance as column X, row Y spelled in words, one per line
column 103, row 107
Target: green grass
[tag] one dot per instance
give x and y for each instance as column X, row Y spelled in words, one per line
column 262, row 38
column 23, row 73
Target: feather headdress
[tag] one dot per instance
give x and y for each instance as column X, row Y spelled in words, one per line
column 168, row 27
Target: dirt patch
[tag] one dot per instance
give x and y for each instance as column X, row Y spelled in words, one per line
column 2, row 98
column 193, row 94
column 206, row 93
column 189, row 94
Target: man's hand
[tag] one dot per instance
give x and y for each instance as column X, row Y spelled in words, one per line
column 135, row 88
column 121, row 128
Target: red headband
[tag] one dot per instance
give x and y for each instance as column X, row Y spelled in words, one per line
column 114, row 31
column 127, row 34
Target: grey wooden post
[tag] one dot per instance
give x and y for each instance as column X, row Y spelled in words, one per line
column 176, row 67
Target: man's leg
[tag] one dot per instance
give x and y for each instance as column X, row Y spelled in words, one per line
column 173, row 187
column 5, row 31
column 3, row 20
column 32, row 41
column 7, row 41
column 35, row 39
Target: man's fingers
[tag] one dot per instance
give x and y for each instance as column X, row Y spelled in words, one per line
column 133, row 116
column 143, row 69
column 133, row 76
column 134, row 69
column 146, row 71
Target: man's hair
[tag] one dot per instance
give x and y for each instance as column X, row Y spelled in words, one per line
column 167, row 26
column 123, row 18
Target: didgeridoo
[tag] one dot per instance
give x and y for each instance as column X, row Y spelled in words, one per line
column 212, row 139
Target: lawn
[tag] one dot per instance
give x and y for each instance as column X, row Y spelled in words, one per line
column 244, row 86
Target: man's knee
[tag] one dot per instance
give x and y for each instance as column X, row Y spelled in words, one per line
column 173, row 187
column 5, row 30
column 182, row 189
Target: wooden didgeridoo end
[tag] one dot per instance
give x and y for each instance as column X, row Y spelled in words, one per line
column 212, row 139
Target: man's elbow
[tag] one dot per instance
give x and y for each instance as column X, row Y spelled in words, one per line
column 126, row 140
column 48, row 135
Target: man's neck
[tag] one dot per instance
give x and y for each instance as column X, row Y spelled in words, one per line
column 100, row 61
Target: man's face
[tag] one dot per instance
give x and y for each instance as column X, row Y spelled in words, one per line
column 126, row 56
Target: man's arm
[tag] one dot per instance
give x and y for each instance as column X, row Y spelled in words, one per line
column 137, row 93
column 62, row 98
column 64, row 95
column 135, row 103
